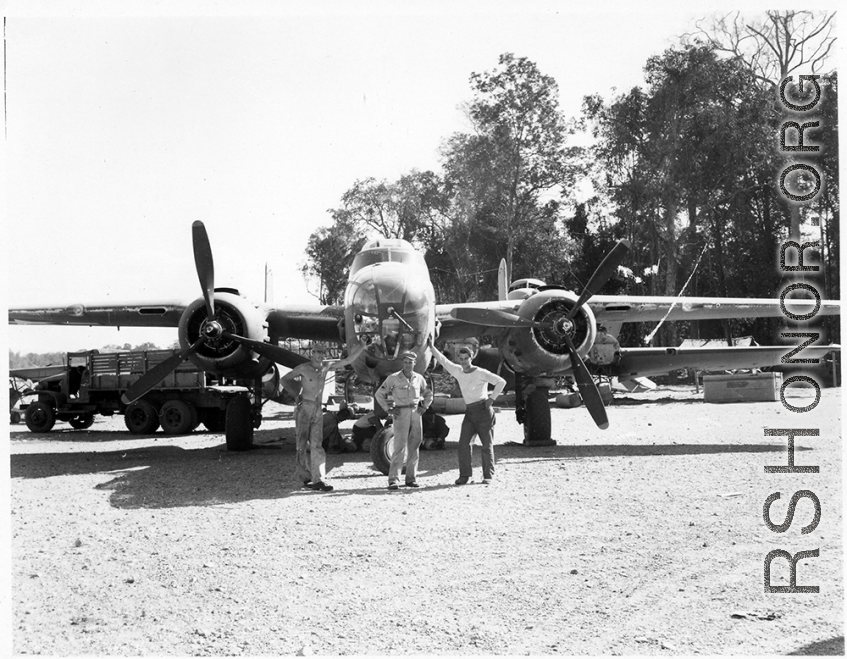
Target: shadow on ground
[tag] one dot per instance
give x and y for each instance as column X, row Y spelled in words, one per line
column 167, row 476
column 831, row 646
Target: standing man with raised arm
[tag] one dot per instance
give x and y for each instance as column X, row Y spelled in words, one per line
column 306, row 384
column 410, row 396
column 479, row 417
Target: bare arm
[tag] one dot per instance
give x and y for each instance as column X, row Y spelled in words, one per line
column 349, row 359
column 290, row 383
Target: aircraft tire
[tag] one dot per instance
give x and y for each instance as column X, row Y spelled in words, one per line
column 82, row 422
column 40, row 417
column 141, row 418
column 14, row 417
column 176, row 417
column 382, row 444
column 537, row 426
column 239, row 424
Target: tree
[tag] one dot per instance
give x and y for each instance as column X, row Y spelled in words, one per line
column 329, row 254
column 407, row 209
column 689, row 162
column 506, row 177
column 773, row 47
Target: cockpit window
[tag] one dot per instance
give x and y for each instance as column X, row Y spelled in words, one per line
column 385, row 255
column 416, row 298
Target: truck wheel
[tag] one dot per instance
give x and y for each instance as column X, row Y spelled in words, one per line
column 40, row 417
column 195, row 416
column 82, row 422
column 214, row 419
column 239, row 424
column 536, row 427
column 14, row 417
column 382, row 446
column 175, row 417
column 141, row 418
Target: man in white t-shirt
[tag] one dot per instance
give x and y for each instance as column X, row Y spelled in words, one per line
column 479, row 416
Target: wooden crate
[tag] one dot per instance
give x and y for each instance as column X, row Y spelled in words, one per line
column 741, row 387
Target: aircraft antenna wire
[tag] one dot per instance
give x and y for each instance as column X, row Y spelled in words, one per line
column 650, row 336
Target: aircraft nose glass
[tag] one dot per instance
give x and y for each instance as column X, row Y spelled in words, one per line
column 364, row 299
column 386, row 302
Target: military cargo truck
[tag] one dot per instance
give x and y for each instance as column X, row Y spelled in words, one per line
column 92, row 383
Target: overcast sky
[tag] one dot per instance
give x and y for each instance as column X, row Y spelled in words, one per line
column 120, row 131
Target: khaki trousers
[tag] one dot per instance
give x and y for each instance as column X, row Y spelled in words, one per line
column 407, row 443
column 308, row 418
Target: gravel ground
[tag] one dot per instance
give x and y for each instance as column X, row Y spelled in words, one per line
column 646, row 539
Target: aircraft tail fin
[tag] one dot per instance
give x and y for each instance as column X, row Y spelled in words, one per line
column 269, row 285
column 502, row 281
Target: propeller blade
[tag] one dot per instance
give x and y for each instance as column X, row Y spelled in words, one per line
column 158, row 373
column 490, row 318
column 602, row 274
column 275, row 353
column 587, row 388
column 205, row 265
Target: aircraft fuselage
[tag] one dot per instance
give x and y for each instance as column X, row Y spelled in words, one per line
column 390, row 303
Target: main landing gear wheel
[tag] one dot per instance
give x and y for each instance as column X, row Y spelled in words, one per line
column 82, row 422
column 239, row 424
column 536, row 426
column 141, row 418
column 40, row 417
column 382, row 446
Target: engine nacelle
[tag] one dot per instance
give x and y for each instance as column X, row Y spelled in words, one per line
column 223, row 356
column 542, row 350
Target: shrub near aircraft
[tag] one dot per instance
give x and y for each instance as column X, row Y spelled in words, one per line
column 389, row 304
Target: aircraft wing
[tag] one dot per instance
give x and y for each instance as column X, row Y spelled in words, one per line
column 152, row 314
column 655, row 361
column 632, row 309
column 315, row 322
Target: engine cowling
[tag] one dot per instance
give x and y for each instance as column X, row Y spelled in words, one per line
column 220, row 355
column 542, row 350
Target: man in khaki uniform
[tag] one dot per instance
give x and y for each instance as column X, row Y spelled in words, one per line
column 410, row 397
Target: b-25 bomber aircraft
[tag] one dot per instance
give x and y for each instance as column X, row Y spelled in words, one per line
column 389, row 304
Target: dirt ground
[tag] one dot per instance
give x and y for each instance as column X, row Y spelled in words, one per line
column 647, row 538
